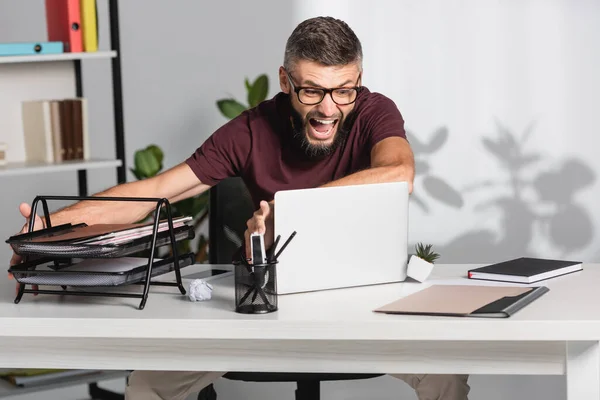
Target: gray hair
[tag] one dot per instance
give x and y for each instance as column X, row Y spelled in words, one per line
column 324, row 40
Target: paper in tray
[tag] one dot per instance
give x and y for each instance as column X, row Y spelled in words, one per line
column 96, row 272
column 86, row 250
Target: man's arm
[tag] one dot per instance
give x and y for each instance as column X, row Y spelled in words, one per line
column 174, row 184
column 392, row 160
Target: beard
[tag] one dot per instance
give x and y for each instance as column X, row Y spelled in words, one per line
column 317, row 150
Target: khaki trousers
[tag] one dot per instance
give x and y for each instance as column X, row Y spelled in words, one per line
column 178, row 385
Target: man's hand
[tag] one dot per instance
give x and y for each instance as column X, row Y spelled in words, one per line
column 25, row 210
column 261, row 222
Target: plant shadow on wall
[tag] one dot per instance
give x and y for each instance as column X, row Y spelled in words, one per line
column 533, row 204
column 148, row 162
column 433, row 185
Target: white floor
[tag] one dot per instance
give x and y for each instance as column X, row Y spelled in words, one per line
column 384, row 388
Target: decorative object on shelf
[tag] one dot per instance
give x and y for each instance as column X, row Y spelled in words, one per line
column 421, row 263
column 3, row 150
column 257, row 92
column 29, row 48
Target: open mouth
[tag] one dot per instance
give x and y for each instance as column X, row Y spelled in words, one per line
column 322, row 128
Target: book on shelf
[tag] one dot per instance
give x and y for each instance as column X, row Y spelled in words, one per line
column 56, row 130
column 74, row 23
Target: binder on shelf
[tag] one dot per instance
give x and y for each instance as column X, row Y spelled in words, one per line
column 30, row 48
column 52, row 256
column 63, row 22
column 89, row 25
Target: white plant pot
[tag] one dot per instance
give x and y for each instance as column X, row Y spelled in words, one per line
column 419, row 269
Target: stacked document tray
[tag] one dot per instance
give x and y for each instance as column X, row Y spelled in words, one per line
column 101, row 255
column 58, row 241
column 95, row 272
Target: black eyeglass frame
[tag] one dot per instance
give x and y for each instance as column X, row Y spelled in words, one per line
column 325, row 91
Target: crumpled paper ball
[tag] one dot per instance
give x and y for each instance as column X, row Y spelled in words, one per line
column 200, row 290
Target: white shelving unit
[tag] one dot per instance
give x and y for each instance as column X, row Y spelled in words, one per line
column 47, row 76
column 27, row 168
column 57, row 57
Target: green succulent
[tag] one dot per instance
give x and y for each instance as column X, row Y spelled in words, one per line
column 426, row 253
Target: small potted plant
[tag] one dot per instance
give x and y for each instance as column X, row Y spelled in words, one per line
column 421, row 263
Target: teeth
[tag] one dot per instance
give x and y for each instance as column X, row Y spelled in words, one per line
column 324, row 121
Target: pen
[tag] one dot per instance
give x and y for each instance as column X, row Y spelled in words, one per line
column 272, row 251
column 285, row 245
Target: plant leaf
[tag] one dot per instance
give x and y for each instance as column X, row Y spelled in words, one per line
column 230, row 108
column 247, row 84
column 425, row 252
column 158, row 153
column 136, row 173
column 259, row 90
column 146, row 163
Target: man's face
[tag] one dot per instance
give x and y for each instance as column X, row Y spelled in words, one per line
column 319, row 128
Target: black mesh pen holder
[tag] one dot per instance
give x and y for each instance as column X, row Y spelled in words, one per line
column 255, row 288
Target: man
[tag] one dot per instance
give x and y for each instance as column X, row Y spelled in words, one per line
column 322, row 129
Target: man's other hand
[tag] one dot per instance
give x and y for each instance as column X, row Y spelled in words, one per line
column 25, row 210
column 261, row 222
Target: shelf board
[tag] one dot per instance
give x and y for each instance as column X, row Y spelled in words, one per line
column 28, row 168
column 57, row 57
column 7, row 389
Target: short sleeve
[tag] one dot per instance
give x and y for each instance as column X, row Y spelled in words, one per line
column 383, row 120
column 224, row 154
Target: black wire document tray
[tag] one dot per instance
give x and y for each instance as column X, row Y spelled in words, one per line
column 22, row 245
column 95, row 272
column 97, row 255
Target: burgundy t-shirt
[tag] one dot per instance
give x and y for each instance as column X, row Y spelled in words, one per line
column 258, row 146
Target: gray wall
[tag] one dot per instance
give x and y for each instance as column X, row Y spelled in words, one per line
column 498, row 99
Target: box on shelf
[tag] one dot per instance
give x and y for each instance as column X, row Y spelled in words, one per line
column 30, row 48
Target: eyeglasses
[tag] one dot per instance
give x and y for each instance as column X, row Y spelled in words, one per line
column 312, row 96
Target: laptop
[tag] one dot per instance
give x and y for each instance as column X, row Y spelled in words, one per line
column 345, row 236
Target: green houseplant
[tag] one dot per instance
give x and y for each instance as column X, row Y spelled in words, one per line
column 148, row 162
column 421, row 263
column 256, row 93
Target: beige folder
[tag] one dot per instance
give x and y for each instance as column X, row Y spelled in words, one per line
column 465, row 300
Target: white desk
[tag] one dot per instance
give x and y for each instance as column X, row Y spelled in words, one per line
column 329, row 331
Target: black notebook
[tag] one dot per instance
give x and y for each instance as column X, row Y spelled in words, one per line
column 525, row 270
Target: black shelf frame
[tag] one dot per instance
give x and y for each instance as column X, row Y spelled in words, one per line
column 117, row 94
column 160, row 202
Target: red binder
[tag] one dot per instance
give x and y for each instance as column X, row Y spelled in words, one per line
column 63, row 18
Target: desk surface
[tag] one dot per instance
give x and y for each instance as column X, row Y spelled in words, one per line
column 568, row 312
